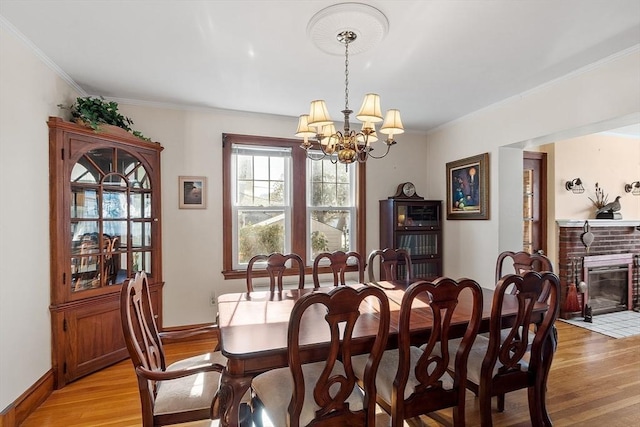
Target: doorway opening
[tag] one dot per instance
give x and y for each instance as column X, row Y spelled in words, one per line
column 534, row 202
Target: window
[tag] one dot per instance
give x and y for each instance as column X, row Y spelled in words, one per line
column 277, row 200
column 331, row 206
column 260, row 199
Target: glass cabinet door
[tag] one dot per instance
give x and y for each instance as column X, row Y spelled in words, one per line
column 421, row 269
column 419, row 244
column 110, row 219
column 418, row 215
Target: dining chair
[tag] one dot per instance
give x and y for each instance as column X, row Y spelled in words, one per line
column 522, row 262
column 338, row 264
column 390, row 262
column 413, row 379
column 276, row 266
column 498, row 365
column 326, row 392
column 184, row 391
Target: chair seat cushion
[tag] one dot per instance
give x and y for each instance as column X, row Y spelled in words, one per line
column 192, row 392
column 476, row 356
column 387, row 373
column 275, row 389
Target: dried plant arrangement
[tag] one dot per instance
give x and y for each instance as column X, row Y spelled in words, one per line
column 601, row 198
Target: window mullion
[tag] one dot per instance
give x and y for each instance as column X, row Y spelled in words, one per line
column 299, row 204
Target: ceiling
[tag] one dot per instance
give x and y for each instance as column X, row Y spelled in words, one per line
column 440, row 59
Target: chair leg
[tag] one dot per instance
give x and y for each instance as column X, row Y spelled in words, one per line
column 485, row 407
column 537, row 400
column 534, row 407
column 458, row 411
column 537, row 393
column 548, row 351
column 501, row 403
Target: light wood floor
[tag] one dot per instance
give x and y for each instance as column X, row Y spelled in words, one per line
column 594, row 381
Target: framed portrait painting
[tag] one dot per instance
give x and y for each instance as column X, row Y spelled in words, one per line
column 192, row 192
column 468, row 188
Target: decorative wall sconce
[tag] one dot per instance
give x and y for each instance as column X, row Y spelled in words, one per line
column 633, row 188
column 574, row 186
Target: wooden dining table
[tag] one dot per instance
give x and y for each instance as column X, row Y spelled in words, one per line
column 254, row 328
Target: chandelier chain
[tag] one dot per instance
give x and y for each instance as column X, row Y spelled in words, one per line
column 346, row 74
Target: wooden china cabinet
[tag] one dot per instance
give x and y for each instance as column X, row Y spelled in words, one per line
column 104, row 226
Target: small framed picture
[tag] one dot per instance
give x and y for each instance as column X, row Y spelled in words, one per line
column 193, row 192
column 468, row 188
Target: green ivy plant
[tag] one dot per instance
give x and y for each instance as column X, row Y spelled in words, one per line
column 95, row 111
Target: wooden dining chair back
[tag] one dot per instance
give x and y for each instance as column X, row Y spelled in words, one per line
column 414, row 379
column 391, row 261
column 338, row 263
column 276, row 268
column 181, row 392
column 522, row 262
column 506, row 362
column 326, row 393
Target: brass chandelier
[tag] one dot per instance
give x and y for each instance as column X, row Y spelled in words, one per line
column 347, row 146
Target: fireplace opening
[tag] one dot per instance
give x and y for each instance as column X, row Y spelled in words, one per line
column 608, row 289
column 609, row 282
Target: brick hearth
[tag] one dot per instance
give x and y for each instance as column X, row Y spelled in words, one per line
column 611, row 237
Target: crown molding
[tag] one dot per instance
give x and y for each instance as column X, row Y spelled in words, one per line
column 40, row 55
column 587, row 68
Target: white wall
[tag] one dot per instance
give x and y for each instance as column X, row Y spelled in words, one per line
column 578, row 104
column 29, row 92
column 611, row 161
column 192, row 239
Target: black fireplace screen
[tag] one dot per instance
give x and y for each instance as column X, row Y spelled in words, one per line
column 608, row 289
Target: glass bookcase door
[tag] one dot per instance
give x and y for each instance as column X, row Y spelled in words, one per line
column 419, row 244
column 420, row 270
column 419, row 216
column 110, row 219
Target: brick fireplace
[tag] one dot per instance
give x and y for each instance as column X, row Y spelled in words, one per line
column 616, row 244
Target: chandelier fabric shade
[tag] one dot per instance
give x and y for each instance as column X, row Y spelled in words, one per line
column 304, row 130
column 319, row 114
column 348, row 146
column 370, row 110
column 392, row 124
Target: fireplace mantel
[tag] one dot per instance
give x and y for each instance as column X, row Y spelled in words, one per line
column 598, row 222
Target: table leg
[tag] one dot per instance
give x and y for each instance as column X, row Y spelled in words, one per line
column 232, row 389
